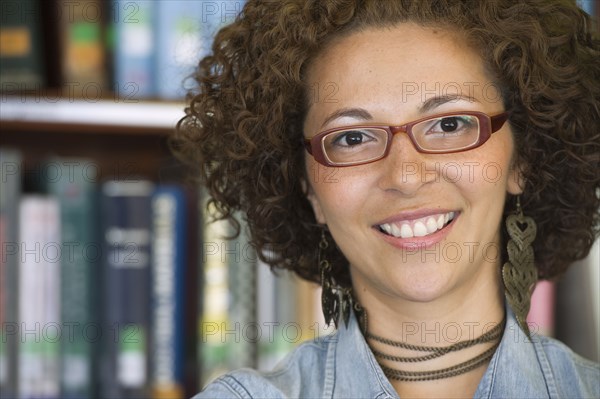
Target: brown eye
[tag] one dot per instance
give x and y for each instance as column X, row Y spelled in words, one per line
column 352, row 138
column 449, row 124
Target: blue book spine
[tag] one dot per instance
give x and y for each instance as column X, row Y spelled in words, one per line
column 126, row 209
column 134, row 48
column 179, row 45
column 185, row 31
column 169, row 260
column 589, row 6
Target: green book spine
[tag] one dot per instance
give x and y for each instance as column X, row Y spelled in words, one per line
column 73, row 183
column 10, row 182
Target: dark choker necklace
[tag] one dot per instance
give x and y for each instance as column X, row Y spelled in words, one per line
column 493, row 335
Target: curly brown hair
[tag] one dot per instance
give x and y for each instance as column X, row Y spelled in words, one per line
column 243, row 125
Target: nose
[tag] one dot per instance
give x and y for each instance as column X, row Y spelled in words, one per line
column 405, row 169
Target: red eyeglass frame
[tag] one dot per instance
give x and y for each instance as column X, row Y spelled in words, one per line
column 487, row 126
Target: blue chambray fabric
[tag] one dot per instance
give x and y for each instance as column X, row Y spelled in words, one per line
column 342, row 366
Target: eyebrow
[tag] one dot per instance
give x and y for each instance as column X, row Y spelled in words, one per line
column 428, row 105
column 436, row 101
column 358, row 113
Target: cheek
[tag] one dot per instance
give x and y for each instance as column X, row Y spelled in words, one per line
column 484, row 170
column 337, row 193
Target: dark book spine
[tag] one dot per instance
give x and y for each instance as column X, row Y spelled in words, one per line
column 126, row 208
column 21, row 54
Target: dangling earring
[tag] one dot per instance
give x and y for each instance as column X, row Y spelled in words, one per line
column 334, row 299
column 519, row 273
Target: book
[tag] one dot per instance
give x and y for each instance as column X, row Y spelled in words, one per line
column 73, row 182
column 578, row 306
column 134, row 51
column 39, row 297
column 542, row 311
column 229, row 332
column 185, row 32
column 169, row 261
column 193, row 291
column 178, row 45
column 21, row 52
column 589, row 6
column 214, row 323
column 241, row 261
column 10, row 191
column 288, row 312
column 126, row 232
column 82, row 36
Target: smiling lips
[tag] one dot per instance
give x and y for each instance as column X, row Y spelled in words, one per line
column 418, row 227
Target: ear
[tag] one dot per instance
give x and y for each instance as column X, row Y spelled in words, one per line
column 516, row 181
column 314, row 201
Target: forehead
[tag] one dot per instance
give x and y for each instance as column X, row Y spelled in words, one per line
column 405, row 65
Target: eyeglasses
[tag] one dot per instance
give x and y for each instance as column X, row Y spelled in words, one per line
column 437, row 134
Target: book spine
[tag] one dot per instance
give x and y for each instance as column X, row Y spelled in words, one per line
column 74, row 187
column 10, row 181
column 134, row 48
column 214, row 309
column 193, row 289
column 578, row 294
column 589, row 6
column 185, row 32
column 21, row 66
column 82, row 36
column 39, row 290
column 178, row 45
column 268, row 356
column 126, row 293
column 241, row 260
column 51, row 317
column 542, row 311
column 168, row 278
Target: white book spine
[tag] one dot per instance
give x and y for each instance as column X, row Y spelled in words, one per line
column 39, row 303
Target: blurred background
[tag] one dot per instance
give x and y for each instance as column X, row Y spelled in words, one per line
column 112, row 282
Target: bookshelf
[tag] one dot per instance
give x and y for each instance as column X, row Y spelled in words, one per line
column 114, row 141
column 75, row 97
column 105, row 130
column 84, row 135
column 124, row 138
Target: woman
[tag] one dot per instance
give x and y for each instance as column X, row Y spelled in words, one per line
column 404, row 154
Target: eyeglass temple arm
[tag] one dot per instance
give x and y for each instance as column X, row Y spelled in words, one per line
column 498, row 120
column 308, row 146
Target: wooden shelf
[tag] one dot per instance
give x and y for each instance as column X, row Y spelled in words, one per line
column 125, row 138
column 29, row 113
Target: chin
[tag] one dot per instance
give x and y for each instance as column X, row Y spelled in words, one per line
column 421, row 289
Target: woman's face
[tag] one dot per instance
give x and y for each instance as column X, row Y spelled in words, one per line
column 394, row 76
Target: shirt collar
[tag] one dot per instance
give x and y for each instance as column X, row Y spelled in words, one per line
column 357, row 373
column 515, row 370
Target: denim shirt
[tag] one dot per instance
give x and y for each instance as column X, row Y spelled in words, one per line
column 342, row 366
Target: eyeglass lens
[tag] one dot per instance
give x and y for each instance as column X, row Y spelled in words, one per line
column 447, row 133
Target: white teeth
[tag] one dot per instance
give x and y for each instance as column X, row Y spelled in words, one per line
column 406, row 231
column 440, row 221
column 431, row 225
column 387, row 228
column 420, row 228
